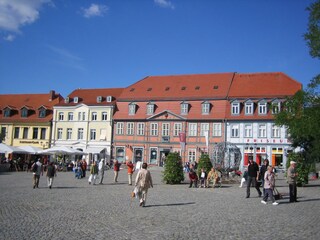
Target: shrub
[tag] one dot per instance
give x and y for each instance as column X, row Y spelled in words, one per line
column 205, row 163
column 302, row 168
column 173, row 169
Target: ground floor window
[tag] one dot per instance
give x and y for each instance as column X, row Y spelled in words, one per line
column 120, row 154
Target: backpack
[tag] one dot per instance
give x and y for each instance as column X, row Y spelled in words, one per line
column 34, row 167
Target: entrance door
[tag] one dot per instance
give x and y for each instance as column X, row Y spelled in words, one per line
column 138, row 155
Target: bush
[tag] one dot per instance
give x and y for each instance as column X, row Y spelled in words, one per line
column 173, row 169
column 302, row 168
column 205, row 163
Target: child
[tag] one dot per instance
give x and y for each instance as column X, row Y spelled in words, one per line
column 203, row 177
column 244, row 177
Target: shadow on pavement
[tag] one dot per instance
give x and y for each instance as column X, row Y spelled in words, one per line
column 170, row 204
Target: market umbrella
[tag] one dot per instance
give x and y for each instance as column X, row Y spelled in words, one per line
column 30, row 149
column 10, row 149
column 62, row 150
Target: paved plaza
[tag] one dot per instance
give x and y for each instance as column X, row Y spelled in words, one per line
column 73, row 209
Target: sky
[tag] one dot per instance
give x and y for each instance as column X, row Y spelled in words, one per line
column 64, row 45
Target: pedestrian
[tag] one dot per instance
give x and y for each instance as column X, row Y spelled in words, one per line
column 213, row 176
column 130, row 171
column 203, row 178
column 253, row 174
column 116, row 170
column 292, row 180
column 138, row 165
column 51, row 173
column 263, row 170
column 244, row 177
column 269, row 184
column 193, row 177
column 101, row 170
column 143, row 183
column 84, row 167
column 37, row 170
column 93, row 173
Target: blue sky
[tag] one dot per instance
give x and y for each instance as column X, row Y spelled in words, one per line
column 63, row 45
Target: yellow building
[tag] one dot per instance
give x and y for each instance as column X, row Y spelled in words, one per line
column 26, row 119
column 83, row 121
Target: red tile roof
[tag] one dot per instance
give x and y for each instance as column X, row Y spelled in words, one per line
column 33, row 102
column 89, row 96
column 263, row 85
column 184, row 87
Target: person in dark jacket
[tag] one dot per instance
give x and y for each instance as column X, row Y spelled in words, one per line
column 193, row 178
column 253, row 174
column 263, row 170
column 51, row 173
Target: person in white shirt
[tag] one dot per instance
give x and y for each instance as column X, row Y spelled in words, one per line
column 101, row 170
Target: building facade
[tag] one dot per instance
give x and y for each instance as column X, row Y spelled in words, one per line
column 84, row 121
column 26, row 119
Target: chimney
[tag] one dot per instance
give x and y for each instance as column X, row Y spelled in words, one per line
column 51, row 95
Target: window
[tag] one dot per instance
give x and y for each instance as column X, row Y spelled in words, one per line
column 140, row 129
column 70, row 116
column 35, row 133
column 104, row 116
column 93, row 116
column 235, row 108
column 177, row 129
column 262, row 108
column 93, row 134
column 3, row 131
column 119, row 128
column 7, row 112
column 61, row 116
column 150, row 108
column 120, row 154
column 248, row 108
column 184, row 108
column 204, row 127
column 262, row 131
column 42, row 113
column 80, row 133
column 205, row 106
column 16, row 132
column 248, row 130
column 25, row 133
column 192, row 155
column 165, row 129
column 24, row 112
column 192, row 129
column 59, row 135
column 130, row 128
column 69, row 133
column 275, row 131
column 154, row 129
column 235, row 131
column 216, row 129
column 275, row 107
column 43, row 133
column 132, row 109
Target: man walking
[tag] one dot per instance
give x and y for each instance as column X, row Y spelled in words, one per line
column 37, row 169
column 51, row 173
column 292, row 180
column 143, row 183
column 101, row 170
column 253, row 173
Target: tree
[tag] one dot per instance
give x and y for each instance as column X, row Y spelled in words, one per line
column 205, row 163
column 173, row 169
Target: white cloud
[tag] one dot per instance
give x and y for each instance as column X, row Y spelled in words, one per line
column 164, row 3
column 9, row 38
column 95, row 10
column 16, row 13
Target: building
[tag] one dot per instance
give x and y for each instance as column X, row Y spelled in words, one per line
column 162, row 114
column 253, row 100
column 26, row 119
column 84, row 121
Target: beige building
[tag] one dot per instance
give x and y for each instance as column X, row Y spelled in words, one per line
column 84, row 121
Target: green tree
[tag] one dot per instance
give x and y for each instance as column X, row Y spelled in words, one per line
column 173, row 169
column 205, row 163
column 302, row 168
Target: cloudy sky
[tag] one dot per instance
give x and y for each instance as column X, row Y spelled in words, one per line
column 65, row 44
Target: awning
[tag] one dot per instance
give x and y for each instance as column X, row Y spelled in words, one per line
column 95, row 149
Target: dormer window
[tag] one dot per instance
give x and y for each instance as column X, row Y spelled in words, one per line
column 7, row 112
column 184, row 108
column 235, row 108
column 42, row 113
column 248, row 106
column 76, row 100
column 150, row 108
column 205, row 106
column 262, row 107
column 99, row 99
column 109, row 98
column 132, row 108
column 275, row 106
column 24, row 112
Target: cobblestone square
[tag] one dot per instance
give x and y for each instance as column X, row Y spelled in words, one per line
column 73, row 209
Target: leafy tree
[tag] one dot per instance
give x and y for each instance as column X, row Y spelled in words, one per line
column 302, row 168
column 205, row 163
column 173, row 169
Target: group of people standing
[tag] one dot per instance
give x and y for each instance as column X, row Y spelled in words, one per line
column 205, row 178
